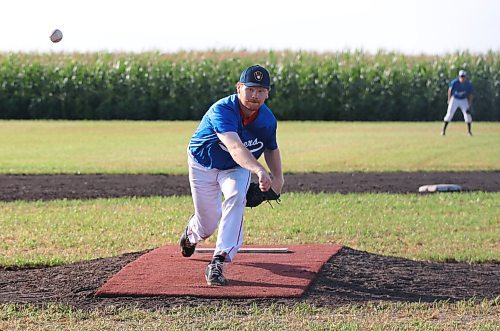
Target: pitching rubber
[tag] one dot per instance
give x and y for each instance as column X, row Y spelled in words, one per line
column 247, row 250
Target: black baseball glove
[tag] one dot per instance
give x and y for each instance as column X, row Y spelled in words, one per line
column 255, row 196
column 469, row 110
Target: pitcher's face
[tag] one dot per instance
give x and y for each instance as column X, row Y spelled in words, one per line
column 252, row 97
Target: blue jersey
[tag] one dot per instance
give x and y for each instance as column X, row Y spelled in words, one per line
column 461, row 90
column 224, row 116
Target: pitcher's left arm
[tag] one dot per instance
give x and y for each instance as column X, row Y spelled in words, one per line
column 273, row 161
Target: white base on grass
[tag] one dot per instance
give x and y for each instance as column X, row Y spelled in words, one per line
column 440, row 188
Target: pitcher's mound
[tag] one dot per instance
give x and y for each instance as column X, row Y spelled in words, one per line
column 164, row 271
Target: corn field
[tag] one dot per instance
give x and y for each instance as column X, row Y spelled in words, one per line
column 345, row 86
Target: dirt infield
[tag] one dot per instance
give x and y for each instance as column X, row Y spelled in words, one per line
column 351, row 276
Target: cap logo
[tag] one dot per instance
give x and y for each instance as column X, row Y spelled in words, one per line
column 258, row 75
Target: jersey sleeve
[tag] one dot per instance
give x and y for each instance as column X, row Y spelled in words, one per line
column 224, row 119
column 271, row 142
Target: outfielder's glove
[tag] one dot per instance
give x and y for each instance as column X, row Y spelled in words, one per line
column 469, row 110
column 255, row 196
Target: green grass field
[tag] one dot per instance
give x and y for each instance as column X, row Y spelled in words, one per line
column 464, row 315
column 33, row 147
column 462, row 227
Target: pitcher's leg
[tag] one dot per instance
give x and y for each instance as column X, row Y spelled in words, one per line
column 234, row 184
column 207, row 200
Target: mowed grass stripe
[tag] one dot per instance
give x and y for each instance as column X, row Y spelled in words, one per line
column 439, row 227
column 48, row 147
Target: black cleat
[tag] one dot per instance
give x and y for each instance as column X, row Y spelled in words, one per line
column 187, row 249
column 213, row 273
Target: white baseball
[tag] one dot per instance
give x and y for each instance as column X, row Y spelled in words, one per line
column 56, row 36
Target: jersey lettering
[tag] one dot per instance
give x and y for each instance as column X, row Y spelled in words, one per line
column 254, row 145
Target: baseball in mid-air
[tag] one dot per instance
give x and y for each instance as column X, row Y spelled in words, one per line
column 56, row 36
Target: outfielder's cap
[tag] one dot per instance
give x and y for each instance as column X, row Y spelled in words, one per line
column 256, row 75
column 462, row 73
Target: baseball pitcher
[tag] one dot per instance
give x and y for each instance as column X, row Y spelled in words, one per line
column 222, row 154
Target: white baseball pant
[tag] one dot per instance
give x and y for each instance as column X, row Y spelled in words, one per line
column 208, row 186
column 455, row 103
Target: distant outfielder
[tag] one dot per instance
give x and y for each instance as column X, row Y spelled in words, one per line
column 459, row 96
column 222, row 155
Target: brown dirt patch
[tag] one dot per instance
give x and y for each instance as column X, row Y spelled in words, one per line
column 350, row 276
column 47, row 187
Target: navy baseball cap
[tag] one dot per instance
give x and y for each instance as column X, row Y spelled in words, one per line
column 256, row 75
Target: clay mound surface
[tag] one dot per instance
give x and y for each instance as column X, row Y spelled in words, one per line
column 164, row 272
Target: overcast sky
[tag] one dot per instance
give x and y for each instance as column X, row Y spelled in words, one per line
column 408, row 26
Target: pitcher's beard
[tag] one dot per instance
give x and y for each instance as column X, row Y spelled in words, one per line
column 252, row 105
